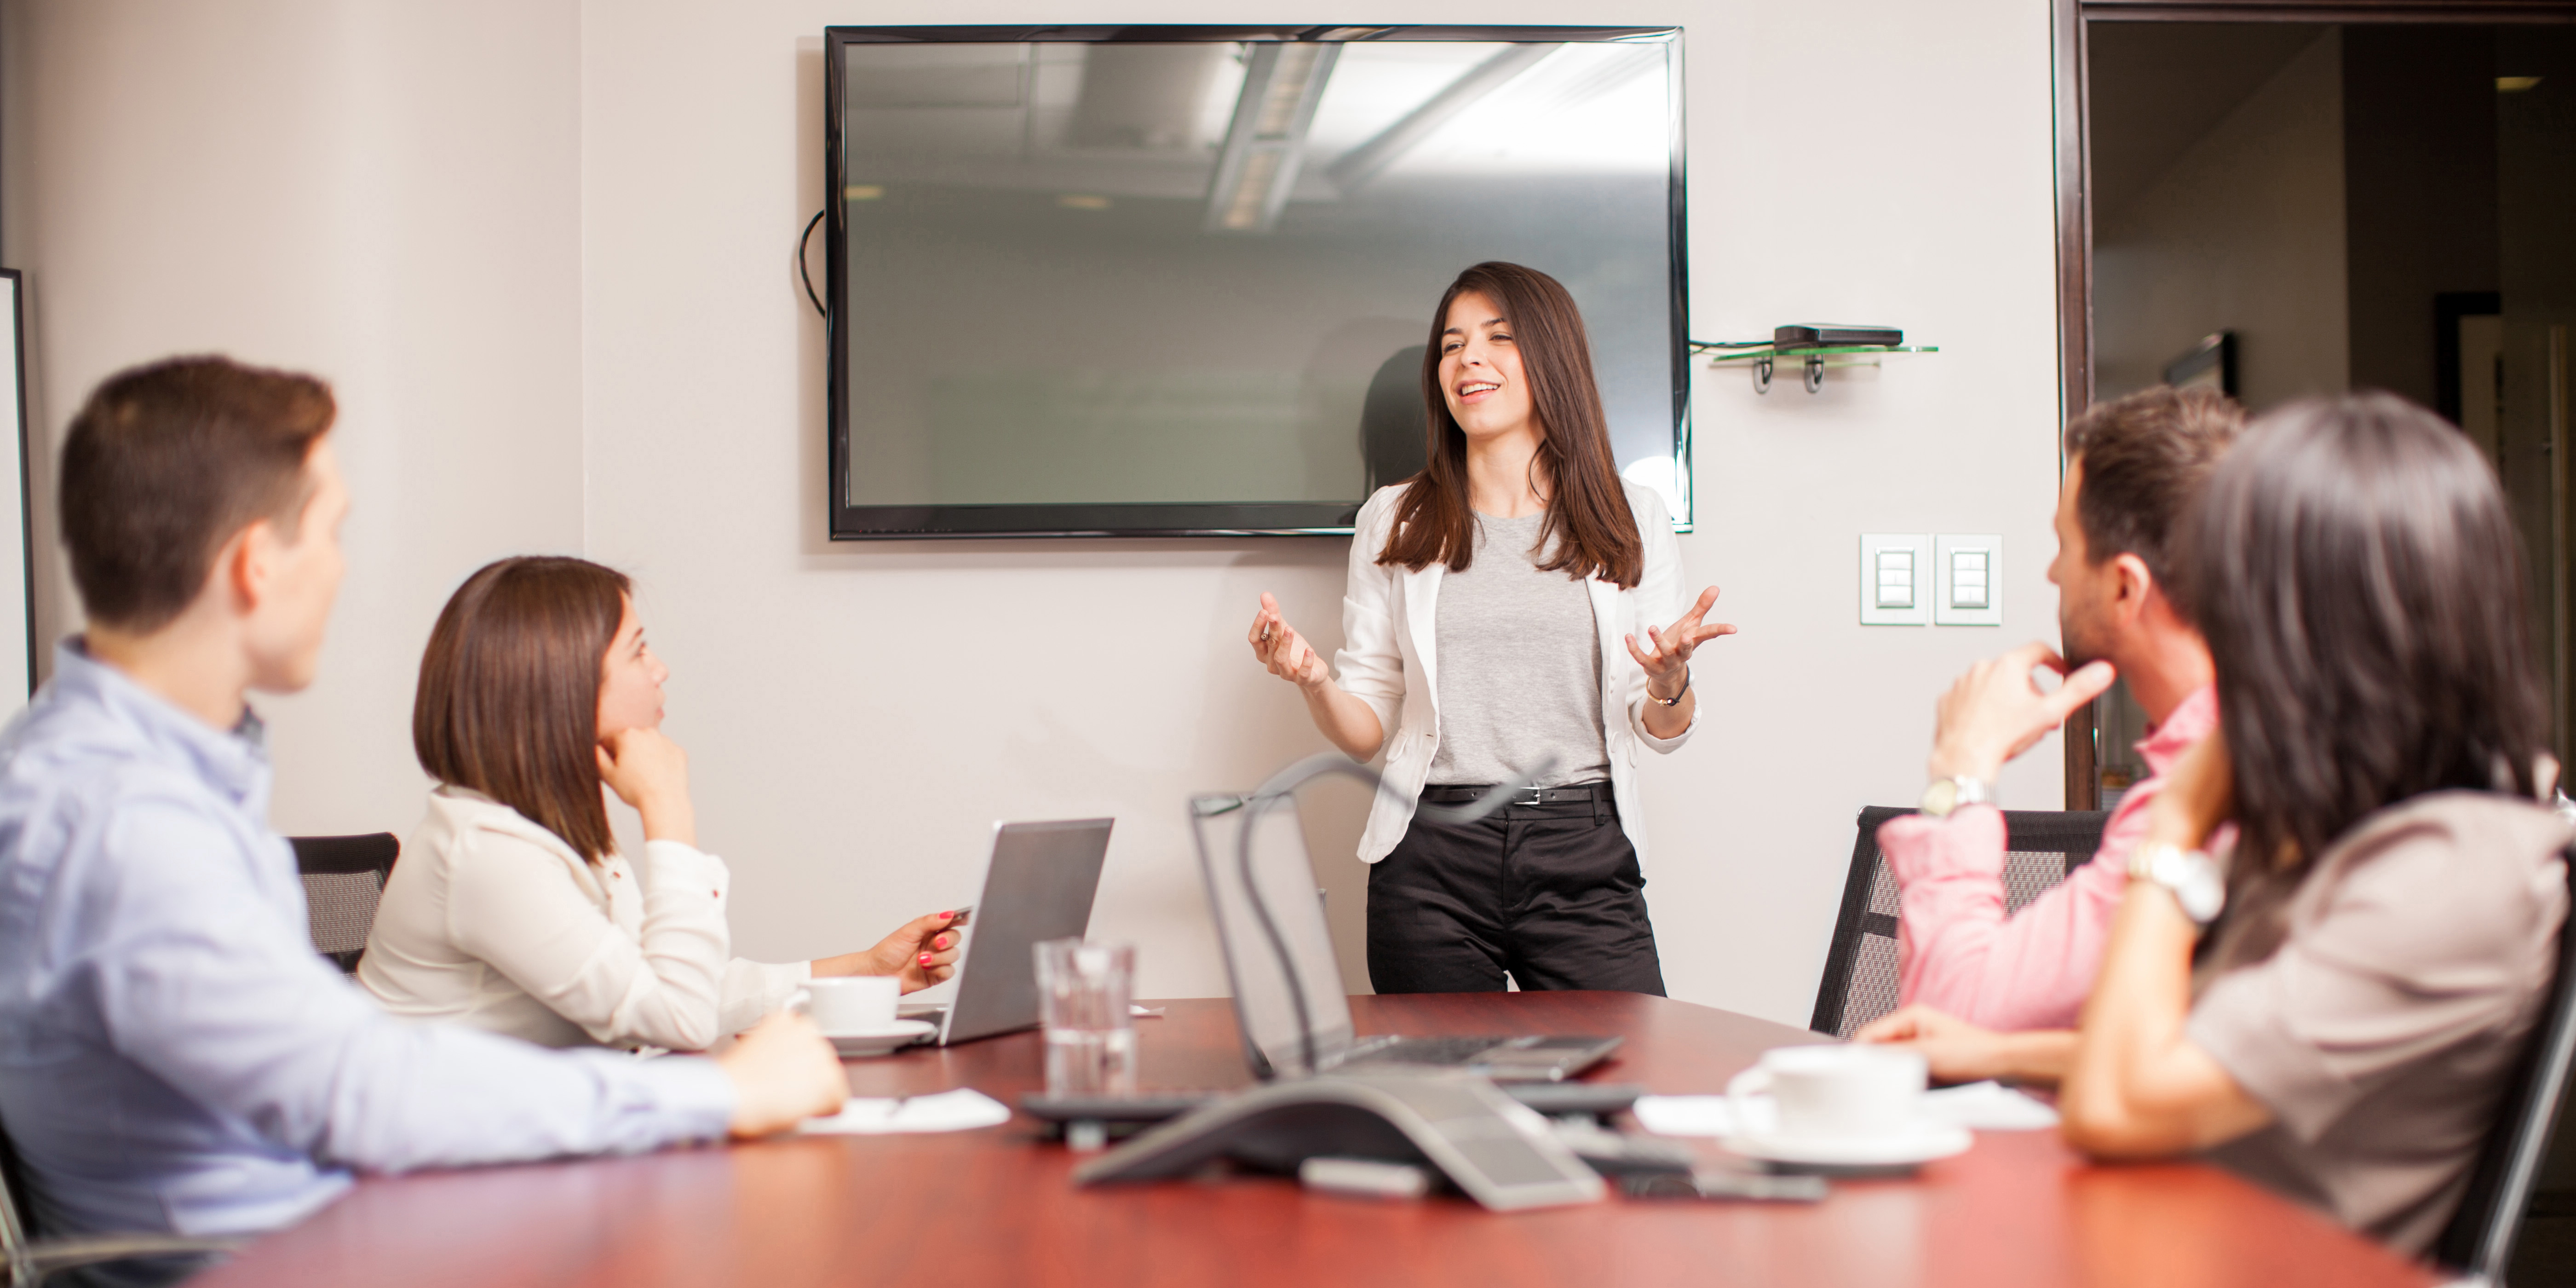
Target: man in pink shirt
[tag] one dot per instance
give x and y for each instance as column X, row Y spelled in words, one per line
column 2132, row 468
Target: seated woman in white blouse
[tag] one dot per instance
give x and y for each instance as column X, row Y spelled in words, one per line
column 511, row 908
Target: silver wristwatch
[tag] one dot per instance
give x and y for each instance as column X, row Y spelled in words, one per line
column 2194, row 878
column 1948, row 794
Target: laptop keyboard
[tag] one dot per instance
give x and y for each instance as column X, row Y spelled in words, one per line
column 1423, row 1050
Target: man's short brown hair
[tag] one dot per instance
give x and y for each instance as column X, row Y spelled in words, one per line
column 166, row 462
column 2145, row 457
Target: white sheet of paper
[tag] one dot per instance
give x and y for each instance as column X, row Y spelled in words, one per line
column 1685, row 1115
column 1988, row 1106
column 1978, row 1106
column 964, row 1109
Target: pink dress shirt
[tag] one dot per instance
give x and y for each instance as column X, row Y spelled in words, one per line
column 1955, row 949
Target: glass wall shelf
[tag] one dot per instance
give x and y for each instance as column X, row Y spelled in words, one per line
column 1761, row 355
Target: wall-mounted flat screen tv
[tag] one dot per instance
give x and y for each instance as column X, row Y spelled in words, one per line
column 1150, row 280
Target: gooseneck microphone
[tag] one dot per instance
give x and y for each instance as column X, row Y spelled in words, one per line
column 1282, row 786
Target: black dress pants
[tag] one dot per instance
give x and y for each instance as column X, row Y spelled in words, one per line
column 1549, row 893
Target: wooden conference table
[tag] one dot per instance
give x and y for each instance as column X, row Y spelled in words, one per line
column 996, row 1206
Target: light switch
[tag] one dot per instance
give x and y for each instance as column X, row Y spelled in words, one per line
column 1967, row 579
column 1971, row 580
column 1896, row 579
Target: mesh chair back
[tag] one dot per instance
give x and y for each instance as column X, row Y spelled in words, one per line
column 344, row 876
column 2040, row 848
column 2480, row 1238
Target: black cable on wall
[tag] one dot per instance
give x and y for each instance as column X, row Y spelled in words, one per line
column 806, row 276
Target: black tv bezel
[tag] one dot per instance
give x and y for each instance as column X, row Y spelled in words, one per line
column 919, row 522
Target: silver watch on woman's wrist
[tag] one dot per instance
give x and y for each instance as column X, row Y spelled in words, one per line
column 2195, row 879
column 1948, row 794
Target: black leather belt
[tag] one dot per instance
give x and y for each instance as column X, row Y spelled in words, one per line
column 1460, row 794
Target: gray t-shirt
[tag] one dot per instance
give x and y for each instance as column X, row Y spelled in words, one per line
column 2378, row 1006
column 1519, row 666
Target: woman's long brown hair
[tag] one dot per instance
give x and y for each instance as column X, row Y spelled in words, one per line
column 1588, row 520
column 2355, row 568
column 509, row 691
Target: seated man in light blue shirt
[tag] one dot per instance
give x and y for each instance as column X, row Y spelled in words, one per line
column 173, row 1054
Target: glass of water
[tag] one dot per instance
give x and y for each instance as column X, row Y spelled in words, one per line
column 1084, row 990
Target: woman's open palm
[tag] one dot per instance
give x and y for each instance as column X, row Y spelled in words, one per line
column 1668, row 651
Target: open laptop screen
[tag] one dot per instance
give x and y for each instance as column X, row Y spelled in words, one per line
column 1263, row 1001
column 1039, row 886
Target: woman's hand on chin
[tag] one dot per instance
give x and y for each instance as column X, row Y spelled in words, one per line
column 922, row 952
column 651, row 773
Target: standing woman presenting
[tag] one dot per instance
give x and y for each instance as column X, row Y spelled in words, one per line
column 1502, row 620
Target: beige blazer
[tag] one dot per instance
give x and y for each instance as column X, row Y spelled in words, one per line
column 1388, row 660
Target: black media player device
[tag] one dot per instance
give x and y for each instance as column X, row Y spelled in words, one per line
column 1829, row 335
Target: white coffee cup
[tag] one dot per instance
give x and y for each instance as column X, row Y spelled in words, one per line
column 1842, row 1091
column 846, row 1004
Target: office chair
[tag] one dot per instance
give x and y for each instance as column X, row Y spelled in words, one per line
column 2479, row 1240
column 344, row 876
column 30, row 1260
column 2041, row 847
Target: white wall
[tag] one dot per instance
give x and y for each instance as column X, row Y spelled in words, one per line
column 387, row 195
column 2244, row 232
column 1925, row 199
column 858, row 714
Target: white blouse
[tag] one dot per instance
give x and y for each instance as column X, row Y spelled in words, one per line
column 492, row 921
column 1390, row 660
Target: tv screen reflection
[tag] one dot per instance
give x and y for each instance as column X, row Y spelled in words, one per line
column 1202, row 273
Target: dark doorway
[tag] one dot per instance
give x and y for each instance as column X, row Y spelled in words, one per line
column 2346, row 206
column 2311, row 207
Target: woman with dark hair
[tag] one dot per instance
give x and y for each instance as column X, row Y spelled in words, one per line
column 512, row 909
column 1503, row 621
column 2387, row 920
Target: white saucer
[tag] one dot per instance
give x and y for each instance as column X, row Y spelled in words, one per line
column 884, row 1041
column 1927, row 1141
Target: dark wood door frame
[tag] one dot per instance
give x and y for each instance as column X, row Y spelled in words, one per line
column 2069, row 20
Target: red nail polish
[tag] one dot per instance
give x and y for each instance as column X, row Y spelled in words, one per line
column 925, row 959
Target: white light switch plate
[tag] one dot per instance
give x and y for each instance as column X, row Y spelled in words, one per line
column 1961, row 562
column 1890, row 554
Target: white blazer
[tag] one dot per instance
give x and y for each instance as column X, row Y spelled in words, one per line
column 1387, row 660
column 492, row 921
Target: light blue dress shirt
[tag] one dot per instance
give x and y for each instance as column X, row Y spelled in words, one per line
column 173, row 1053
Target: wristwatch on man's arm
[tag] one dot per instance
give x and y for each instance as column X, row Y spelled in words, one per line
column 1948, row 794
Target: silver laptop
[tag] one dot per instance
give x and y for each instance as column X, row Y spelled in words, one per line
column 1268, row 996
column 1039, row 887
